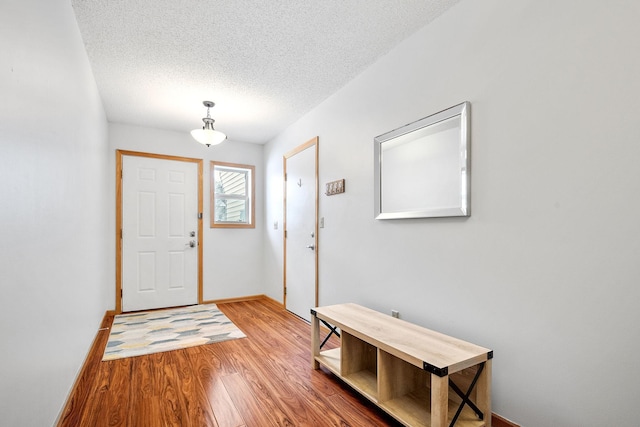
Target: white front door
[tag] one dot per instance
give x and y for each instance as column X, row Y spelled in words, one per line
column 159, row 233
column 301, row 238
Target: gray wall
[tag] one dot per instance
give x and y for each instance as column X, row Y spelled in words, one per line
column 544, row 272
column 546, row 269
column 54, row 259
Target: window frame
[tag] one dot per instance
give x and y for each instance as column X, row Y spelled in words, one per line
column 249, row 198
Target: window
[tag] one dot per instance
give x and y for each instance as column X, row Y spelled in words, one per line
column 232, row 195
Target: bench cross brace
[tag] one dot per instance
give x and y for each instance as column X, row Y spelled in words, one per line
column 332, row 330
column 465, row 397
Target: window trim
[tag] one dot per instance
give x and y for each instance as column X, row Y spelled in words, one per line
column 251, row 197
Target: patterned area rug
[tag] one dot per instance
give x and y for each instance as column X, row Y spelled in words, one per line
column 164, row 330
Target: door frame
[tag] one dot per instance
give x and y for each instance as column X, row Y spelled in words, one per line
column 310, row 143
column 119, row 155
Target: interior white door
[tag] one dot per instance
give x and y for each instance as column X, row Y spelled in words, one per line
column 159, row 233
column 300, row 233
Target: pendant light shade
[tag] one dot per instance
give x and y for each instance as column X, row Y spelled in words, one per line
column 208, row 135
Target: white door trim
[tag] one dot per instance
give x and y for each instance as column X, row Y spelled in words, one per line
column 119, row 155
column 313, row 142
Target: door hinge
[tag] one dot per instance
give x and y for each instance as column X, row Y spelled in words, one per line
column 285, row 291
column 285, row 176
column 121, row 293
column 199, row 215
column 285, row 234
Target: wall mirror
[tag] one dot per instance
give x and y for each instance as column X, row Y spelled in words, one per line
column 421, row 170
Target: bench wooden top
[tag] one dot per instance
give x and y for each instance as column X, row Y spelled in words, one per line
column 410, row 342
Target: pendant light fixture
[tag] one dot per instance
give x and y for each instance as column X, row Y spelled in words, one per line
column 208, row 135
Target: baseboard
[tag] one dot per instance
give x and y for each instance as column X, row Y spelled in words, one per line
column 278, row 303
column 498, row 421
column 237, row 299
column 104, row 328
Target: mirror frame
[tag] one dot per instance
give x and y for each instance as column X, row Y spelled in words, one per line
column 462, row 112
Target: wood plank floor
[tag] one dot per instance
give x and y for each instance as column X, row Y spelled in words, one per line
column 262, row 380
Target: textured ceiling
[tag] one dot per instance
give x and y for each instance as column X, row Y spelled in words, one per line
column 264, row 63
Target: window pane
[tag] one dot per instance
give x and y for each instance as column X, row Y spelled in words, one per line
column 231, row 210
column 230, row 182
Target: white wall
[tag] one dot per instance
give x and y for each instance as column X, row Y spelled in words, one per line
column 232, row 258
column 545, row 271
column 54, row 263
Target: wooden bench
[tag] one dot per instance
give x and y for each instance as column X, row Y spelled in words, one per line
column 405, row 369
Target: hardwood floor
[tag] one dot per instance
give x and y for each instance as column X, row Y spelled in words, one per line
column 262, row 380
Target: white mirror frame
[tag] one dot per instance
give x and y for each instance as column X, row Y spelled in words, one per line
column 429, row 176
